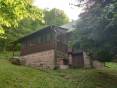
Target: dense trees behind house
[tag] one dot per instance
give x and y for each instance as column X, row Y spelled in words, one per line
column 97, row 29
column 19, row 18
column 55, row 17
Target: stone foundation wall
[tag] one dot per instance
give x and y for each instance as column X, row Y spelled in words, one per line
column 44, row 59
column 63, row 66
column 98, row 64
column 95, row 63
column 86, row 60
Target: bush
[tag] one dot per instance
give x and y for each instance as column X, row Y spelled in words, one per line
column 103, row 56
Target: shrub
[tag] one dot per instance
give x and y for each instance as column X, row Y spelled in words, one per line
column 103, row 56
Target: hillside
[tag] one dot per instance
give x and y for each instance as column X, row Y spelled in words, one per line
column 12, row 76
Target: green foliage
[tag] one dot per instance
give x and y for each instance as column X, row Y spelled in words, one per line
column 13, row 11
column 103, row 55
column 16, row 20
column 7, row 54
column 55, row 17
column 97, row 29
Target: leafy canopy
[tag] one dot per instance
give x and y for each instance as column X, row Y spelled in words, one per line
column 55, row 17
column 13, row 11
column 97, row 32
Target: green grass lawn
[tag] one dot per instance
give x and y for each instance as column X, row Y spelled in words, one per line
column 12, row 76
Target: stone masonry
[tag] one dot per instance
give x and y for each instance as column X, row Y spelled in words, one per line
column 43, row 59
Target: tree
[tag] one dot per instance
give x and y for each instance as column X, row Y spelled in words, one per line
column 97, row 29
column 13, row 11
column 55, row 17
column 17, row 18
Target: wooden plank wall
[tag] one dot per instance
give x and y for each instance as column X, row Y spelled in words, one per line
column 38, row 48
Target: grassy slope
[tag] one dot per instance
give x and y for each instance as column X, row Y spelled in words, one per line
column 12, row 76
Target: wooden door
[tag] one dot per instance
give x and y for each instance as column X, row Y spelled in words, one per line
column 77, row 60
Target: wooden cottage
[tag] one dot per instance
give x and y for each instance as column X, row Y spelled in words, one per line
column 45, row 48
column 48, row 48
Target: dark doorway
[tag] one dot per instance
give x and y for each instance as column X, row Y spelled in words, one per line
column 77, row 60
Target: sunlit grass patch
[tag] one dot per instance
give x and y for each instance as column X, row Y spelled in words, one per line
column 112, row 65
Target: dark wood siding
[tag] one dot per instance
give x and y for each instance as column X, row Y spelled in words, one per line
column 38, row 47
column 41, row 41
column 77, row 60
column 45, row 40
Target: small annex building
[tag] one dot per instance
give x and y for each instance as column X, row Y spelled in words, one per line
column 48, row 48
